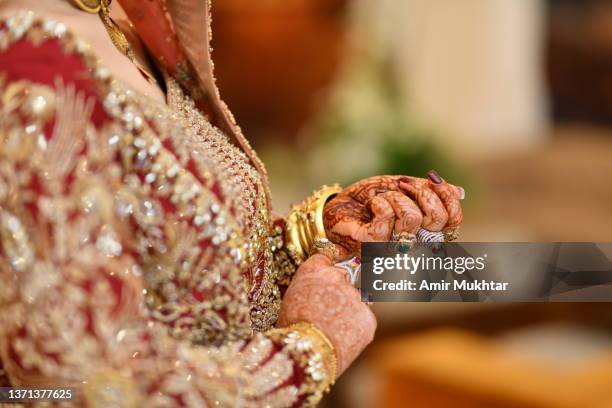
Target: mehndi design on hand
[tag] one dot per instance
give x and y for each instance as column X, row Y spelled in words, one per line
column 373, row 208
column 321, row 293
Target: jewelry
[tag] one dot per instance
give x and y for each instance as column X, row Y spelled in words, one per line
column 101, row 7
column 114, row 32
column 405, row 241
column 322, row 344
column 424, row 235
column 305, row 223
column 403, row 237
column 353, row 268
column 325, row 247
column 451, row 235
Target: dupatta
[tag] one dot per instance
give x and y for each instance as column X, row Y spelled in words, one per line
column 177, row 33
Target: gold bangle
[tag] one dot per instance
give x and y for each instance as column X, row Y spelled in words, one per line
column 322, row 345
column 305, row 223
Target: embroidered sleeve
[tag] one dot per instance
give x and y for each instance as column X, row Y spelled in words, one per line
column 104, row 219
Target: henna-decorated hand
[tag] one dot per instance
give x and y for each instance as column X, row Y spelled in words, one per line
column 321, row 294
column 371, row 209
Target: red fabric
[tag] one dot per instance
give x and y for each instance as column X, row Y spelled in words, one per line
column 47, row 63
column 154, row 29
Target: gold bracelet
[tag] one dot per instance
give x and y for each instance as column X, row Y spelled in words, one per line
column 305, row 223
column 322, row 345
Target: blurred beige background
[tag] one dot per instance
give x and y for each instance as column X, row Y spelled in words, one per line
column 510, row 99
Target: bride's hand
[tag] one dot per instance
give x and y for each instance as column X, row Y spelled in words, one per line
column 373, row 208
column 320, row 294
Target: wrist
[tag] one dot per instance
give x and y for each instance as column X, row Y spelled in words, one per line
column 322, row 344
column 314, row 353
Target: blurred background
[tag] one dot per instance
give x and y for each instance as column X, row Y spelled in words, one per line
column 511, row 100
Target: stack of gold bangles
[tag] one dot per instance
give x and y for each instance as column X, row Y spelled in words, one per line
column 305, row 223
column 305, row 231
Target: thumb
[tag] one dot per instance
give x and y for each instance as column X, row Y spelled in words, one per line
column 381, row 226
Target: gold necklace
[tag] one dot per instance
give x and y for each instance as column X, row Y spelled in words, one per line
column 119, row 39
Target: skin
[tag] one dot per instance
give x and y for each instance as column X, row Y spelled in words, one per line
column 321, row 294
column 366, row 211
column 90, row 28
column 373, row 208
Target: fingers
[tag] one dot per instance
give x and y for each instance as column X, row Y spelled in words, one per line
column 372, row 208
column 351, row 232
column 320, row 268
column 335, row 252
column 460, row 192
column 341, row 275
column 315, row 263
column 408, row 216
column 435, row 215
column 450, row 196
column 342, row 215
column 365, row 190
column 381, row 226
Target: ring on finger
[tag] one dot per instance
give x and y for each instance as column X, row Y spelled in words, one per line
column 403, row 236
column 353, row 267
column 405, row 241
column 451, row 235
column 325, row 247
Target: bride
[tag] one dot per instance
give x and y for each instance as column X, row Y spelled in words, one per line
column 140, row 262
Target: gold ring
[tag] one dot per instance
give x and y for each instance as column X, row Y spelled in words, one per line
column 325, row 247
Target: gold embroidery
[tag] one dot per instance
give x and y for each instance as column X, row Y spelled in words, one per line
column 98, row 221
column 243, row 189
column 110, row 389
